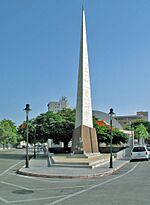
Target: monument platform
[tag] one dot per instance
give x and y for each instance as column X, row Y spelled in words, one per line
column 38, row 168
column 79, row 160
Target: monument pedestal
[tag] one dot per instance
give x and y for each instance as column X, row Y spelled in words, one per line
column 79, row 160
column 84, row 141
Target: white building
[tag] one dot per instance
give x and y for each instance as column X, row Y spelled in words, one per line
column 57, row 106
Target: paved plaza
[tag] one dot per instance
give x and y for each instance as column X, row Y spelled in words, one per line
column 39, row 167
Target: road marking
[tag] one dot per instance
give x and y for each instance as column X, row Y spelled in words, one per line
column 42, row 189
column 36, row 199
column 93, row 187
column 56, row 188
column 10, row 184
column 10, row 168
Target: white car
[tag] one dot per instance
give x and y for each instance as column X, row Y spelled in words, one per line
column 19, row 146
column 148, row 148
column 140, row 152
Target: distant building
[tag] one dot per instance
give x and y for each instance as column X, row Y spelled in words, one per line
column 57, row 106
column 104, row 116
column 123, row 120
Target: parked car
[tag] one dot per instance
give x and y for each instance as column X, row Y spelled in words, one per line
column 148, row 148
column 140, row 152
column 19, row 146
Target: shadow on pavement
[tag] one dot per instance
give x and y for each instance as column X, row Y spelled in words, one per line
column 11, row 156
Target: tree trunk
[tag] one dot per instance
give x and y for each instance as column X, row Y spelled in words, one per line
column 140, row 141
column 65, row 146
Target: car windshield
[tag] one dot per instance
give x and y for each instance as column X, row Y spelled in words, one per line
column 138, row 149
column 148, row 148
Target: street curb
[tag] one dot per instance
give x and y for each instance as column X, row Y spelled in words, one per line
column 73, row 177
column 6, row 150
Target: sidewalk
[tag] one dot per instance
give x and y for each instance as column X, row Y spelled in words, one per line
column 39, row 168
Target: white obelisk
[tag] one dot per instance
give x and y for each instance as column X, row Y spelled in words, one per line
column 84, row 137
column 83, row 106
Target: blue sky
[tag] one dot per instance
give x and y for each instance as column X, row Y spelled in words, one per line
column 39, row 54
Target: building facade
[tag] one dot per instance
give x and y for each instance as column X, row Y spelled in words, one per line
column 105, row 116
column 123, row 120
column 56, row 106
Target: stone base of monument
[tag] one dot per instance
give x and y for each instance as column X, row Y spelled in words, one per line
column 80, row 160
column 84, row 140
column 84, row 155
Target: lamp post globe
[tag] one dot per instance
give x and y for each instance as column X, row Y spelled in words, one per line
column 27, row 110
column 111, row 113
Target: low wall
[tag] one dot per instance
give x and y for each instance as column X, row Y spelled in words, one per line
column 58, row 150
column 118, row 152
column 123, row 154
column 115, row 149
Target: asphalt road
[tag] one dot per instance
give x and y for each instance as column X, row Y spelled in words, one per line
column 128, row 186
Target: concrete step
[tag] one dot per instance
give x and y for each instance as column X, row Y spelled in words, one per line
column 63, row 161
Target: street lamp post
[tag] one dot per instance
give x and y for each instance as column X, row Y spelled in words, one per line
column 34, row 143
column 132, row 134
column 111, row 113
column 27, row 110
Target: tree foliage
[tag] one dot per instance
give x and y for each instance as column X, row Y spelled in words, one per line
column 8, row 132
column 104, row 133
column 140, row 127
column 141, row 132
column 22, row 131
column 57, row 126
column 134, row 124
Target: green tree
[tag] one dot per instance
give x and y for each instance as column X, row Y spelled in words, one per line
column 2, row 138
column 57, row 126
column 67, row 126
column 119, row 137
column 8, row 132
column 22, row 131
column 141, row 133
column 134, row 124
column 47, row 125
column 103, row 134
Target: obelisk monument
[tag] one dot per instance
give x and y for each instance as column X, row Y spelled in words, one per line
column 84, row 140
